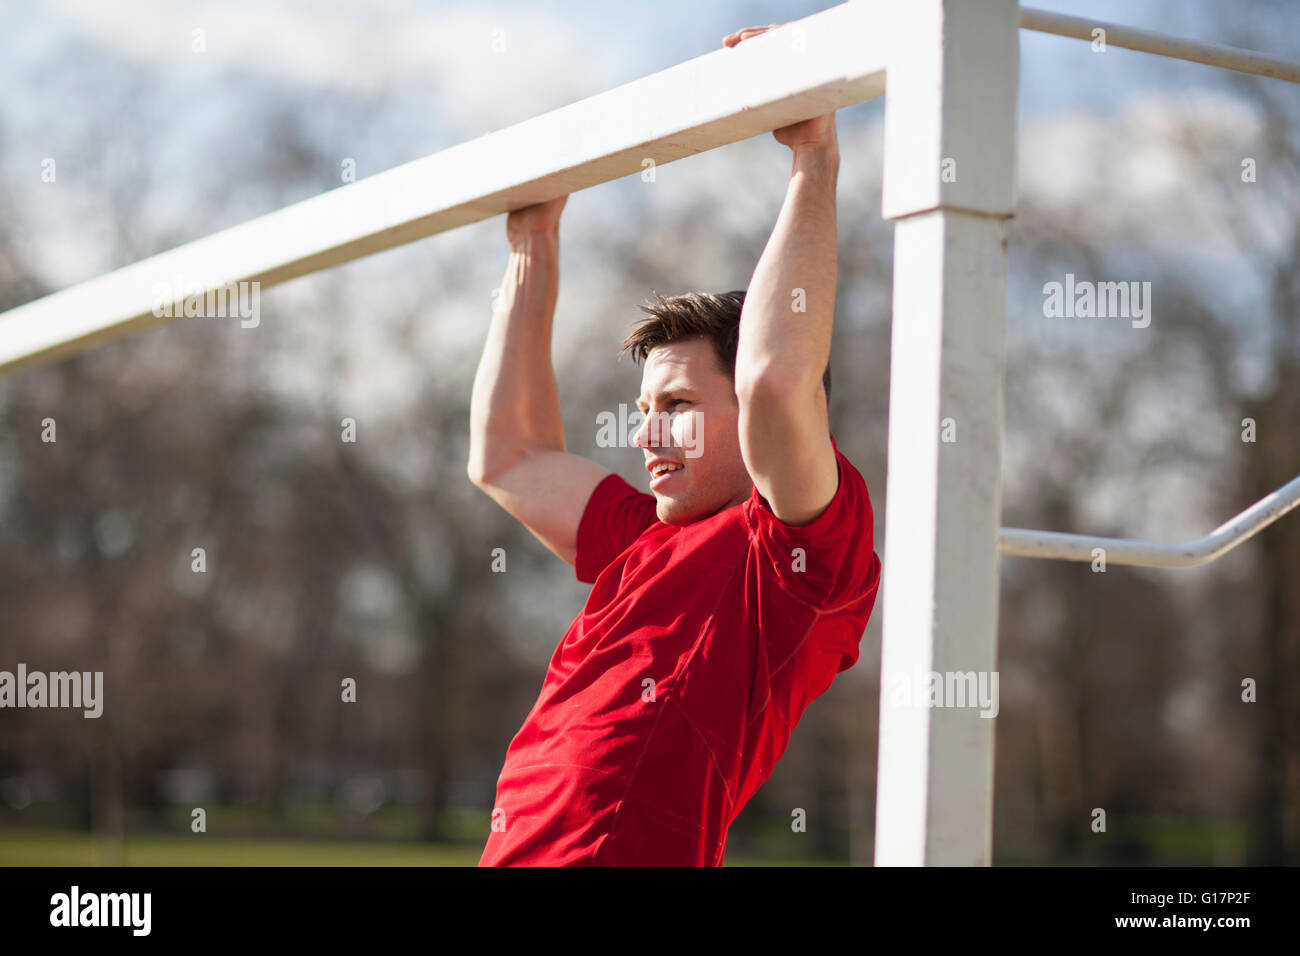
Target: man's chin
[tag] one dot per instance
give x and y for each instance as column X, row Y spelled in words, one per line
column 672, row 512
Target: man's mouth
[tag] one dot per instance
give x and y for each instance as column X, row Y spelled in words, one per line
column 661, row 472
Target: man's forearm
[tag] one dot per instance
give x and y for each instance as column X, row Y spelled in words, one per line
column 515, row 405
column 797, row 271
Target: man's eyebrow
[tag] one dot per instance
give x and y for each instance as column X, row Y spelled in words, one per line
column 672, row 391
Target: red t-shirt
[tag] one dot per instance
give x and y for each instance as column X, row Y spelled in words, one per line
column 674, row 692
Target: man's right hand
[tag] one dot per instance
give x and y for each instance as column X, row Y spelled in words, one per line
column 542, row 219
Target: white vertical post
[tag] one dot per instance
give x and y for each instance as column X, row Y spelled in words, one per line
column 949, row 175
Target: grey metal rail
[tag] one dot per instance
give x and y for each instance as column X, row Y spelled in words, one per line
column 1148, row 41
column 1023, row 543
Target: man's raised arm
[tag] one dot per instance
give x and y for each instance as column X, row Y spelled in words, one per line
column 785, row 332
column 517, row 453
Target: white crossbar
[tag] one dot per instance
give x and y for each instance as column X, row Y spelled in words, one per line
column 806, row 68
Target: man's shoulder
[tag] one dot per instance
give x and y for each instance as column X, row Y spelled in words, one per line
column 848, row 507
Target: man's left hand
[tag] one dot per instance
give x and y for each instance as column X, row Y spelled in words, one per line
column 816, row 133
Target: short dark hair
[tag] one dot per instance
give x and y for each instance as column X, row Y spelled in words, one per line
column 709, row 315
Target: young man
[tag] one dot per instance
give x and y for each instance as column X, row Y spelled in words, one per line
column 725, row 600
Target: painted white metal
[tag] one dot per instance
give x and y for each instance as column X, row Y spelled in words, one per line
column 1080, row 547
column 953, row 77
column 806, row 68
column 1148, row 41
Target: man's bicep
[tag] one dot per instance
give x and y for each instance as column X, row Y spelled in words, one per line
column 785, row 442
column 548, row 491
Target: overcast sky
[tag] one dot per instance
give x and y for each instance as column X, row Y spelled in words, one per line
column 432, row 63
column 560, row 48
column 1093, row 126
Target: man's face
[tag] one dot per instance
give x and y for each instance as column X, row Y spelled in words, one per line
column 691, row 422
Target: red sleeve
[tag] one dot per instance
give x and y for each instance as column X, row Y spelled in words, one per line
column 615, row 516
column 830, row 562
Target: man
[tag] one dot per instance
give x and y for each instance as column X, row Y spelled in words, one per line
column 723, row 602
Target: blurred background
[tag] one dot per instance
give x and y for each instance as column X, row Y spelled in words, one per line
column 371, row 560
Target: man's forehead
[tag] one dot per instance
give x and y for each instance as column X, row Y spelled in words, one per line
column 668, row 377
column 689, row 365
column 685, row 360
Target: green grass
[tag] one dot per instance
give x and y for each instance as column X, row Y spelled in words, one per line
column 69, row 848
column 45, row 848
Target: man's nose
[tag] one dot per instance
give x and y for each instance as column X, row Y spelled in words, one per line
column 640, row 435
column 653, row 432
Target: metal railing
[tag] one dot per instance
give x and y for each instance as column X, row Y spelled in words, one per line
column 1023, row 543
column 1148, row 41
